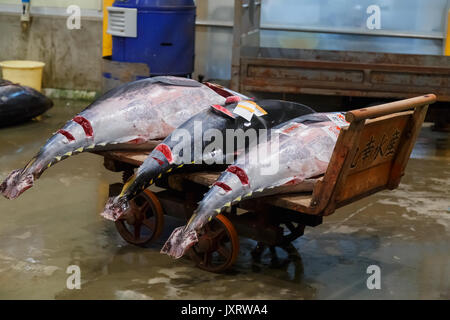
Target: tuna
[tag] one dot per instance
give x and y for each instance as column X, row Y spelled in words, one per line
column 305, row 146
column 127, row 117
column 20, row 103
column 172, row 154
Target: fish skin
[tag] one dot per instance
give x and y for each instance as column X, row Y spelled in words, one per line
column 28, row 101
column 156, row 163
column 126, row 117
column 302, row 155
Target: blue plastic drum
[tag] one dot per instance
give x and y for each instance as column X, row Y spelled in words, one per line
column 165, row 36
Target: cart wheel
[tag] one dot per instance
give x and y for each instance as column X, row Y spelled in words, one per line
column 217, row 247
column 144, row 223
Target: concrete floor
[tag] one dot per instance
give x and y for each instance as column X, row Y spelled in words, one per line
column 406, row 232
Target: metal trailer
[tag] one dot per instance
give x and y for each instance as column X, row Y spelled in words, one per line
column 327, row 72
column 370, row 155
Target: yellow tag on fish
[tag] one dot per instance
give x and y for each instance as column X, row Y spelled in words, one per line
column 247, row 108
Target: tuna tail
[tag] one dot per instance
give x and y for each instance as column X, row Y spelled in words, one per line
column 115, row 208
column 185, row 237
column 21, row 180
column 18, row 181
column 179, row 242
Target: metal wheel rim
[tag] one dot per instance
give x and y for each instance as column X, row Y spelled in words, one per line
column 152, row 220
column 226, row 237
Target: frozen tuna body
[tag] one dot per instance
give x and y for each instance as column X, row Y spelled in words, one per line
column 305, row 146
column 127, row 117
column 174, row 152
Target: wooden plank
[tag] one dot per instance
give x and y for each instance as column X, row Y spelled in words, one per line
column 135, row 158
column 295, row 202
column 308, row 88
column 405, row 149
column 203, row 178
column 379, row 141
column 362, row 182
column 271, row 63
column 388, row 108
column 343, row 152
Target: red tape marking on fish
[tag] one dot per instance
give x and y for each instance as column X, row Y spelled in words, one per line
column 222, row 185
column 66, row 134
column 165, row 150
column 160, row 162
column 291, row 182
column 224, row 93
column 240, row 174
column 223, row 110
column 232, row 99
column 137, row 141
column 87, row 127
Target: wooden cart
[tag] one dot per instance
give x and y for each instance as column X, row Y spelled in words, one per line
column 370, row 155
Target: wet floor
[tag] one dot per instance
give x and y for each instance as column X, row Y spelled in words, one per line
column 405, row 232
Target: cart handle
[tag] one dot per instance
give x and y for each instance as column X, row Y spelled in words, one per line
column 388, row 108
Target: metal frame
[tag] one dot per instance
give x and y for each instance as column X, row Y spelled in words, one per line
column 377, row 33
column 327, row 72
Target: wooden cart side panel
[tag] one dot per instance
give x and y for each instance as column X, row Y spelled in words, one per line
column 379, row 141
column 370, row 168
column 406, row 146
column 365, row 182
column 383, row 143
column 343, row 152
